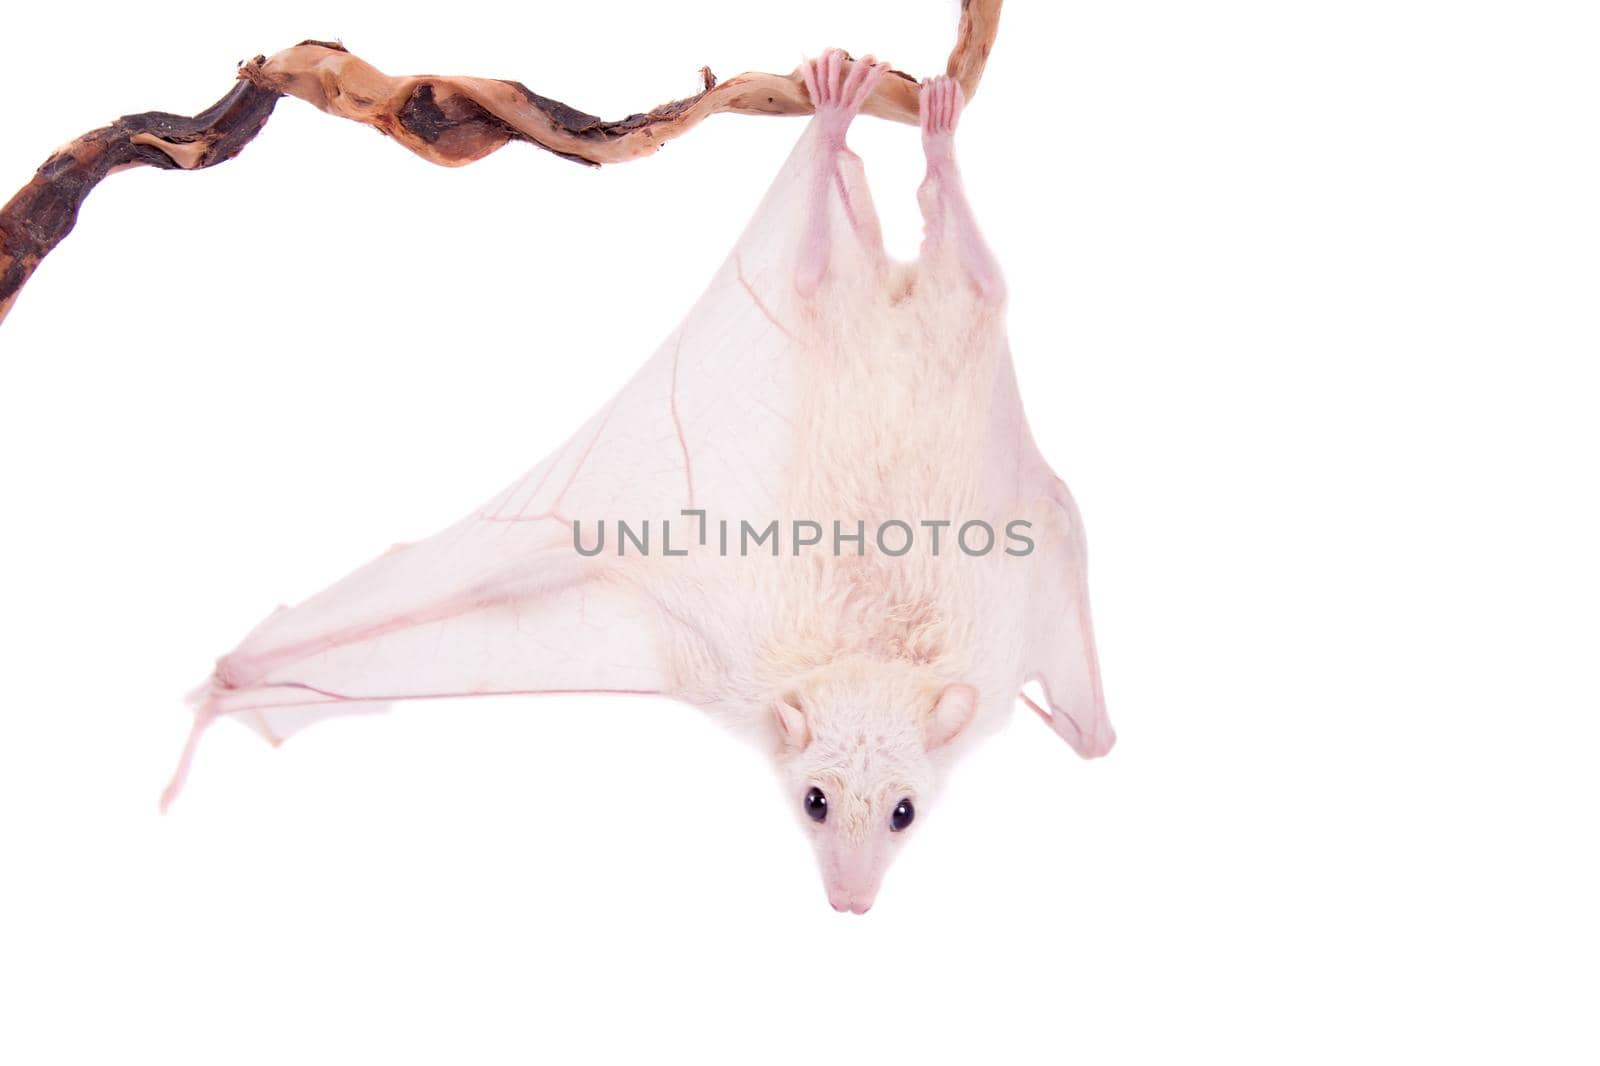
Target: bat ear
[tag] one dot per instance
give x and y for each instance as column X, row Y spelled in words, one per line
column 957, row 706
column 791, row 719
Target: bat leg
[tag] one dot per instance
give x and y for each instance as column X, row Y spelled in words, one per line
column 837, row 97
column 947, row 216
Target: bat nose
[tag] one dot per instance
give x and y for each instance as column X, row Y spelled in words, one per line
column 851, row 877
column 848, row 903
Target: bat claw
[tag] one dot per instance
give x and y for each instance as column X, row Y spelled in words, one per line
column 939, row 106
column 836, row 95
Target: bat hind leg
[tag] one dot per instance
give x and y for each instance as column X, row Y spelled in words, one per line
column 947, row 216
column 837, row 97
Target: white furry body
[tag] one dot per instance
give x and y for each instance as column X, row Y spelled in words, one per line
column 901, row 386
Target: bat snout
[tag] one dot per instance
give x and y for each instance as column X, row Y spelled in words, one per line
column 852, row 881
column 846, row 903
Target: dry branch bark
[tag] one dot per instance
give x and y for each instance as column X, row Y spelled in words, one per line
column 44, row 211
column 447, row 120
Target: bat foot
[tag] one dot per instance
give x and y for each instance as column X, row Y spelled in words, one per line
column 939, row 107
column 836, row 95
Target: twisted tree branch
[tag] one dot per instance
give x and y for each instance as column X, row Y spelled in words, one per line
column 450, row 121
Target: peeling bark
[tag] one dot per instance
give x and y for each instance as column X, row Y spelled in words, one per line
column 45, row 210
column 451, row 121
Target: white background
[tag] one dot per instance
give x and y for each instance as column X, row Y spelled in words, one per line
column 1304, row 309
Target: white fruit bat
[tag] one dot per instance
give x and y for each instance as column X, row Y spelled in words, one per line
column 859, row 557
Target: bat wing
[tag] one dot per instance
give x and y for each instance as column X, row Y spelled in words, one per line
column 501, row 601
column 1059, row 649
column 1056, row 646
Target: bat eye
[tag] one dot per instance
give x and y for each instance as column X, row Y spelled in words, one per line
column 903, row 813
column 817, row 805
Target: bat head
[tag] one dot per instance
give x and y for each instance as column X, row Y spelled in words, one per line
column 858, row 754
